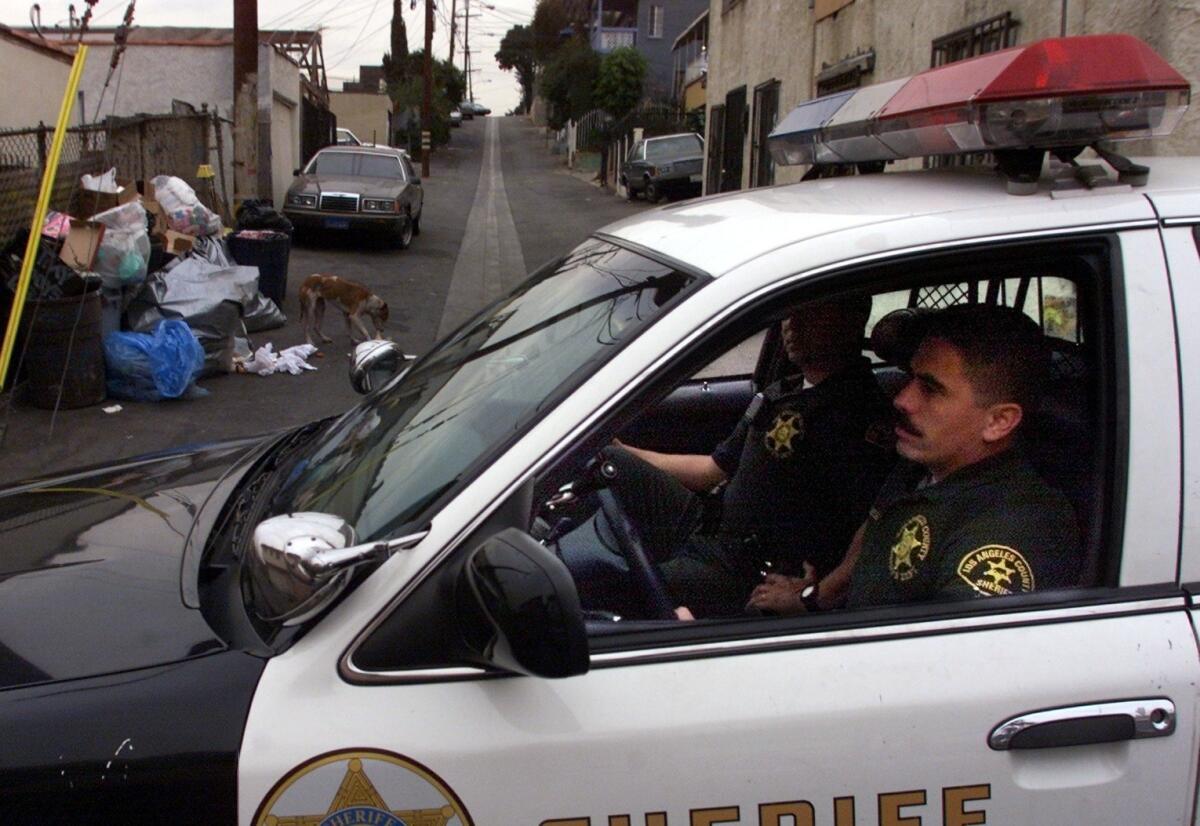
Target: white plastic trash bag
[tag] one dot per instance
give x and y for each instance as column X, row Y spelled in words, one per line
column 125, row 248
column 184, row 211
column 101, row 183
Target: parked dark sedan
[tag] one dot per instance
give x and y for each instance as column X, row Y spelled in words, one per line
column 665, row 165
column 358, row 187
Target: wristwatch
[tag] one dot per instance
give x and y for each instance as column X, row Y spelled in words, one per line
column 808, row 597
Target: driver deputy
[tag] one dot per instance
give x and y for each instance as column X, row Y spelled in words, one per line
column 799, row 473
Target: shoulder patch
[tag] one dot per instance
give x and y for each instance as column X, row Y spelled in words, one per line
column 996, row 570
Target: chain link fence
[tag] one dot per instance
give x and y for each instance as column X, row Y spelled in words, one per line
column 139, row 147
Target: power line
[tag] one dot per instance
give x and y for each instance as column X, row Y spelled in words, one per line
column 291, row 14
column 366, row 22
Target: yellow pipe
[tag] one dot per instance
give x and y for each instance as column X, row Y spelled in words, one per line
column 39, row 212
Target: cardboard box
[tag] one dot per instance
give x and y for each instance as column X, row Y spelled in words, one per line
column 81, row 244
column 91, row 203
column 177, row 243
column 154, row 208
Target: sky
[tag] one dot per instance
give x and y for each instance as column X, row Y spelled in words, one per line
column 354, row 32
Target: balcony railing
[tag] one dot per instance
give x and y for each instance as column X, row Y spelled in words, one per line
column 695, row 69
column 604, row 40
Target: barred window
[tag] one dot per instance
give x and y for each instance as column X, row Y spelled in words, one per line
column 991, row 35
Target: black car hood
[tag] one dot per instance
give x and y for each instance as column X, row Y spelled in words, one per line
column 90, row 565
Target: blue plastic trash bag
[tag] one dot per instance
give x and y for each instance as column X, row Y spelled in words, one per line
column 152, row 366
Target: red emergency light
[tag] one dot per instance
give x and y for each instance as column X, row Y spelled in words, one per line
column 1061, row 92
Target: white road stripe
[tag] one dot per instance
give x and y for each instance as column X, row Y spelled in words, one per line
column 490, row 260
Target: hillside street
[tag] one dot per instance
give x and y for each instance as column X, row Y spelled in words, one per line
column 497, row 205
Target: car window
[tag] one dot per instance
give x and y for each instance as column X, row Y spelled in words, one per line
column 1069, row 440
column 356, row 163
column 679, row 147
column 380, row 166
column 737, row 361
column 386, row 463
column 635, row 153
column 1048, row 299
column 332, row 163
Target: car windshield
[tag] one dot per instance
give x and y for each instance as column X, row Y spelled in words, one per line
column 384, row 464
column 683, row 146
column 356, row 163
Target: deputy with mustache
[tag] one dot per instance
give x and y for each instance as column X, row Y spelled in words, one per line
column 964, row 514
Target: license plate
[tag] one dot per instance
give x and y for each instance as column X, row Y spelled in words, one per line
column 337, row 223
column 695, row 178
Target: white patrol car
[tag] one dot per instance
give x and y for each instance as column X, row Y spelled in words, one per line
column 352, row 623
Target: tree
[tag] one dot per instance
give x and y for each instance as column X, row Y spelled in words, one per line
column 619, row 81
column 550, row 21
column 449, row 86
column 516, row 54
column 568, row 82
column 395, row 70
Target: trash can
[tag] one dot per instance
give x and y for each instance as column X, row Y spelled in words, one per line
column 268, row 250
column 64, row 363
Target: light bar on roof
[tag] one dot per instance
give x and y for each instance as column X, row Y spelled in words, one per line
column 1062, row 92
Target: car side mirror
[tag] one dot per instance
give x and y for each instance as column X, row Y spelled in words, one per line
column 375, row 362
column 519, row 608
column 295, row 173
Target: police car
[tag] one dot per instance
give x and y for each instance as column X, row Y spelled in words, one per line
column 353, row 622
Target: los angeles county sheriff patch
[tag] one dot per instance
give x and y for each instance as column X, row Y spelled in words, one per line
column 996, row 570
column 910, row 548
column 787, row 428
column 362, row 786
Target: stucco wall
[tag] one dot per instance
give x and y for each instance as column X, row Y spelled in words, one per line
column 759, row 40
column 33, row 86
column 279, row 107
column 363, row 113
column 150, row 77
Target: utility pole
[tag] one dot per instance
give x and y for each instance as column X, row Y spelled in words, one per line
column 245, row 100
column 427, row 101
column 454, row 29
column 467, row 47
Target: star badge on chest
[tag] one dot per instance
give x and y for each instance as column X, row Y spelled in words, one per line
column 786, row 431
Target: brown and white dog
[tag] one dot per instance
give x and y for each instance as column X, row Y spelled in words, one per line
column 352, row 298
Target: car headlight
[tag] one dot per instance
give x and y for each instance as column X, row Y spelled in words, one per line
column 378, row 205
column 296, row 199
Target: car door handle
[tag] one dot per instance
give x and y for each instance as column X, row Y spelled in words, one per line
column 1083, row 725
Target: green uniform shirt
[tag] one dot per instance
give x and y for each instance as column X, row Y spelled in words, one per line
column 804, row 470
column 989, row 529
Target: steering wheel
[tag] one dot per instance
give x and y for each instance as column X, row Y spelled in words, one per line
column 647, row 580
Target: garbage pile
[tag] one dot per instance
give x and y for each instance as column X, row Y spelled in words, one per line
column 179, row 293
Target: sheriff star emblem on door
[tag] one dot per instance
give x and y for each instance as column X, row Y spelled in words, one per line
column 361, row 786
